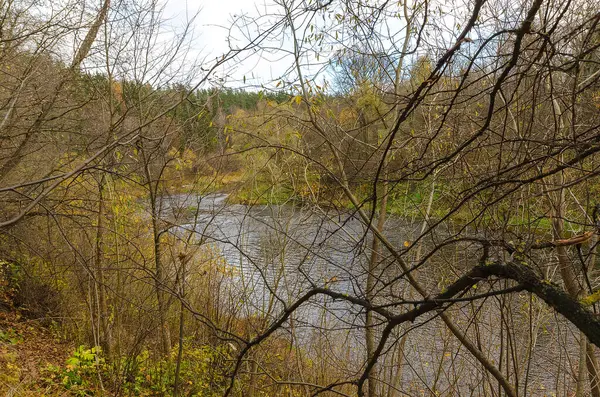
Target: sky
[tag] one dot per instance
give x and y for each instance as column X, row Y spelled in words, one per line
column 211, row 30
column 271, row 64
column 269, row 67
column 266, row 67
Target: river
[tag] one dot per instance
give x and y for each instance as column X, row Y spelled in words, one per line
column 282, row 251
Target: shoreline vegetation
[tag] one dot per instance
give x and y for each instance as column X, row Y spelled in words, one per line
column 405, row 203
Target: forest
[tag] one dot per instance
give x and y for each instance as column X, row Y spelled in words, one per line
column 408, row 205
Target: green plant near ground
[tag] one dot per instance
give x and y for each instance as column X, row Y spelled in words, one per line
column 202, row 372
column 80, row 372
column 10, row 371
column 10, row 279
column 10, row 336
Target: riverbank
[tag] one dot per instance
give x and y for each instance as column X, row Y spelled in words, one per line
column 409, row 202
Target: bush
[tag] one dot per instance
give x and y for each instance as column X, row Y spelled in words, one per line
column 80, row 372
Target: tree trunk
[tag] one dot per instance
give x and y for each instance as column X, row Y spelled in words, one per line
column 165, row 335
column 569, row 277
column 105, row 331
column 371, row 281
column 159, row 278
column 182, row 260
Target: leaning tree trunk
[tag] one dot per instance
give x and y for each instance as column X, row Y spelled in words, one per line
column 82, row 52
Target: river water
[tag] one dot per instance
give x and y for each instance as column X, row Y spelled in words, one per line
column 278, row 252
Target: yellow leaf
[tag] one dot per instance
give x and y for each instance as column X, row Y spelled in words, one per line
column 298, row 99
column 407, row 243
